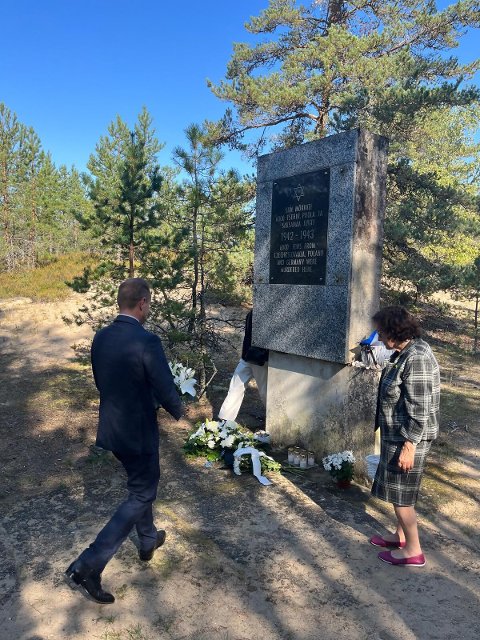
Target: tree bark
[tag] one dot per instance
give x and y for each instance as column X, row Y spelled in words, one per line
column 475, row 335
column 32, row 234
column 202, row 314
column 336, row 12
column 7, row 234
column 131, row 252
column 191, row 323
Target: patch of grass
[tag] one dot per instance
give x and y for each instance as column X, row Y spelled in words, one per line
column 106, row 619
column 99, row 457
column 70, row 387
column 461, row 404
column 164, row 622
column 111, row 635
column 136, row 633
column 166, row 565
column 46, row 282
column 121, row 592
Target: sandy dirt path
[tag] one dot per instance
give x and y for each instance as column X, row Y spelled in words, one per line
column 241, row 562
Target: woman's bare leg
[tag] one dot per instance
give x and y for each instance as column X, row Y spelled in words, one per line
column 397, row 536
column 407, row 522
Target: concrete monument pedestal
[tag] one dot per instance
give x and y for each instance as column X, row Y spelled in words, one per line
column 319, row 232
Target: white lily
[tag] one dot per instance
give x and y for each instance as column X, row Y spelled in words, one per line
column 228, row 441
column 183, row 378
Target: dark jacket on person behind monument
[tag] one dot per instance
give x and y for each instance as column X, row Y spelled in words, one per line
column 254, row 355
column 134, row 379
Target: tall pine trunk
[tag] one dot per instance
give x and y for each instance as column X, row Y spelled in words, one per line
column 202, row 315
column 336, row 15
column 131, row 251
column 32, row 234
column 6, row 221
column 475, row 322
column 192, row 321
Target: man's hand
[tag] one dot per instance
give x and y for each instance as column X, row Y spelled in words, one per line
column 407, row 455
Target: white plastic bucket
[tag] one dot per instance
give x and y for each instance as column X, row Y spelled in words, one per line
column 372, row 464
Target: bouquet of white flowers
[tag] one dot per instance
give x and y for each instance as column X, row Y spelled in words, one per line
column 213, row 440
column 340, row 465
column 183, row 378
column 209, row 438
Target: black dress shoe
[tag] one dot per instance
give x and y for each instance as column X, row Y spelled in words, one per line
column 148, row 555
column 89, row 583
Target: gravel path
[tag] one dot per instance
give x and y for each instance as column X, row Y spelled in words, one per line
column 241, row 562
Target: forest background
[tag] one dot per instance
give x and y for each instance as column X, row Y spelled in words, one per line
column 302, row 73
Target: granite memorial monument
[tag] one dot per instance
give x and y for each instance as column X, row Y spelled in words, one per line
column 318, row 246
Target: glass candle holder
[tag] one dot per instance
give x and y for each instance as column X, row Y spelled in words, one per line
column 303, row 460
column 296, row 457
column 310, row 458
column 291, row 455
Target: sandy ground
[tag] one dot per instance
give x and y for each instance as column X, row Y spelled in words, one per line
column 242, row 561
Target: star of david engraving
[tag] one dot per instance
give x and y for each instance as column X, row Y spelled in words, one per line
column 298, row 192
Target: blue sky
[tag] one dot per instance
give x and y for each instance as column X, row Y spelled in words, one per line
column 67, row 67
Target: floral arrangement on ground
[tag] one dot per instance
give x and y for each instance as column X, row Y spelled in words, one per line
column 340, row 465
column 215, row 440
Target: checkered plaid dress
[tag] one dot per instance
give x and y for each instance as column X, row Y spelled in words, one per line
column 391, row 483
column 407, row 409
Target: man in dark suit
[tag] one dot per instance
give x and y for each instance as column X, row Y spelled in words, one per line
column 134, row 379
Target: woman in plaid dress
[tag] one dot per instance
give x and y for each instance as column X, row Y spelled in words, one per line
column 408, row 416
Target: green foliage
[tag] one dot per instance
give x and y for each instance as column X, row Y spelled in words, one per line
column 210, row 439
column 467, row 286
column 268, row 464
column 346, row 472
column 209, row 218
column 325, row 66
column 38, row 202
column 187, row 230
column 123, row 185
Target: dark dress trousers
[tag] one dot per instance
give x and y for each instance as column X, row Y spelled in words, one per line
column 134, row 379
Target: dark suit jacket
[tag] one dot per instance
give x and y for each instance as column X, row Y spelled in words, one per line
column 134, row 379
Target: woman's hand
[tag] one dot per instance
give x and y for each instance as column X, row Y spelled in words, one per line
column 407, row 455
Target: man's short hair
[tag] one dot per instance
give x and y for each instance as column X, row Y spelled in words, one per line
column 131, row 291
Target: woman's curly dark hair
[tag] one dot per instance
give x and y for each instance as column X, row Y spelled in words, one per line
column 397, row 323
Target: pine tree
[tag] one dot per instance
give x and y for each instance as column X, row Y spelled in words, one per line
column 36, row 199
column 337, row 65
column 75, row 204
column 212, row 218
column 127, row 217
column 31, row 159
column 333, row 65
column 12, row 133
column 467, row 287
column 123, row 187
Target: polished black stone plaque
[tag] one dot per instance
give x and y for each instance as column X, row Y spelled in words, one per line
column 298, row 240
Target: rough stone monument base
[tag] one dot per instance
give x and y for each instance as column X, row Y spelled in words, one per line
column 323, row 406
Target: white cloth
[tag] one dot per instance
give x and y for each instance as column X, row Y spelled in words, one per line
column 256, row 464
column 244, row 372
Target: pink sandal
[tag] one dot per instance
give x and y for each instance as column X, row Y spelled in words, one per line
column 412, row 561
column 378, row 541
